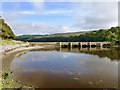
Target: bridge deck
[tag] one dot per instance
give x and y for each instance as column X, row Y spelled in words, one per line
column 70, row 44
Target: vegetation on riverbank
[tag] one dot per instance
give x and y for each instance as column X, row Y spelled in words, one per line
column 6, row 40
column 10, row 42
column 113, row 53
column 5, row 81
column 6, row 31
column 7, row 35
column 110, row 35
column 22, row 37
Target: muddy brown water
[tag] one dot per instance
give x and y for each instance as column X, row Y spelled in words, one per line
column 65, row 68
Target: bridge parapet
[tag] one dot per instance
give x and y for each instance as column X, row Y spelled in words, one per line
column 81, row 44
column 73, row 44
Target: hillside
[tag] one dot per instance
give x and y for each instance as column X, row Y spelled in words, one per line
column 6, row 31
column 67, row 34
column 110, row 35
column 30, row 37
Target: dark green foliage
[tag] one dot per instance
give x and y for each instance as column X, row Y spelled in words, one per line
column 113, row 53
column 56, row 35
column 111, row 35
column 5, row 31
column 6, row 74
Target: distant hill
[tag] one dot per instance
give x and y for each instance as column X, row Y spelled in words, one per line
column 6, row 31
column 110, row 35
column 68, row 34
column 30, row 37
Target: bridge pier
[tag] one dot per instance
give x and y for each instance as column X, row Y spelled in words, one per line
column 89, row 44
column 82, row 44
column 70, row 45
column 101, row 45
column 60, row 44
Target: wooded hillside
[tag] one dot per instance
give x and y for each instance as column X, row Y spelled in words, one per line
column 110, row 35
column 5, row 30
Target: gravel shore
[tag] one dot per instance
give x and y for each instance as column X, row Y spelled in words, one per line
column 7, row 48
column 11, row 48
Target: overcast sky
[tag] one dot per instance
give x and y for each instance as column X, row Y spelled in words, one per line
column 59, row 17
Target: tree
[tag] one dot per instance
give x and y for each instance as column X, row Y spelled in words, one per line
column 6, row 31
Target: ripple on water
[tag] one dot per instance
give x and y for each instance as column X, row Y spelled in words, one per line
column 77, row 68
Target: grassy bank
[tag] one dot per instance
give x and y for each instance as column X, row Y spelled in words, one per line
column 10, row 42
column 6, row 45
column 5, row 81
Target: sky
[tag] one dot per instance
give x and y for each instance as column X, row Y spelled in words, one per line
column 44, row 17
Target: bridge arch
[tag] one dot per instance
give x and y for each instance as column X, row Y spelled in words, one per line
column 85, row 44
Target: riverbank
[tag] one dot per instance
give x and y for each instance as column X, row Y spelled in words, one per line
column 7, row 45
column 118, row 46
column 7, row 52
column 7, row 48
column 10, row 55
column 18, row 67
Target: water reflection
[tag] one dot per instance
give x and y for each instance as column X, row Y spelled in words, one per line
column 66, row 68
column 112, row 53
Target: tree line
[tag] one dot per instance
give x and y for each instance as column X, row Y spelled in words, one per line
column 110, row 35
column 5, row 30
column 113, row 54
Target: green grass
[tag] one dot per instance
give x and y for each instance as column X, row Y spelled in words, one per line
column 67, row 34
column 1, row 83
column 6, row 42
column 27, row 37
column 5, row 81
column 9, row 42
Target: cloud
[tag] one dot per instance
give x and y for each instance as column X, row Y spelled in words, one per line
column 66, row 29
column 27, row 12
column 39, row 5
column 22, row 0
column 10, row 16
column 87, row 16
column 36, row 28
column 63, row 12
column 98, row 15
column 58, row 12
column 119, row 13
column 60, row 0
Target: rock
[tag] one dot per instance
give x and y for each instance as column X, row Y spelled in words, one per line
column 100, row 80
column 90, row 83
column 76, row 78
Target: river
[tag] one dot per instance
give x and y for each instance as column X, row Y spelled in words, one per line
column 66, row 68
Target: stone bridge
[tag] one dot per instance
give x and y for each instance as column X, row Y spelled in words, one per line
column 72, row 44
column 85, row 44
